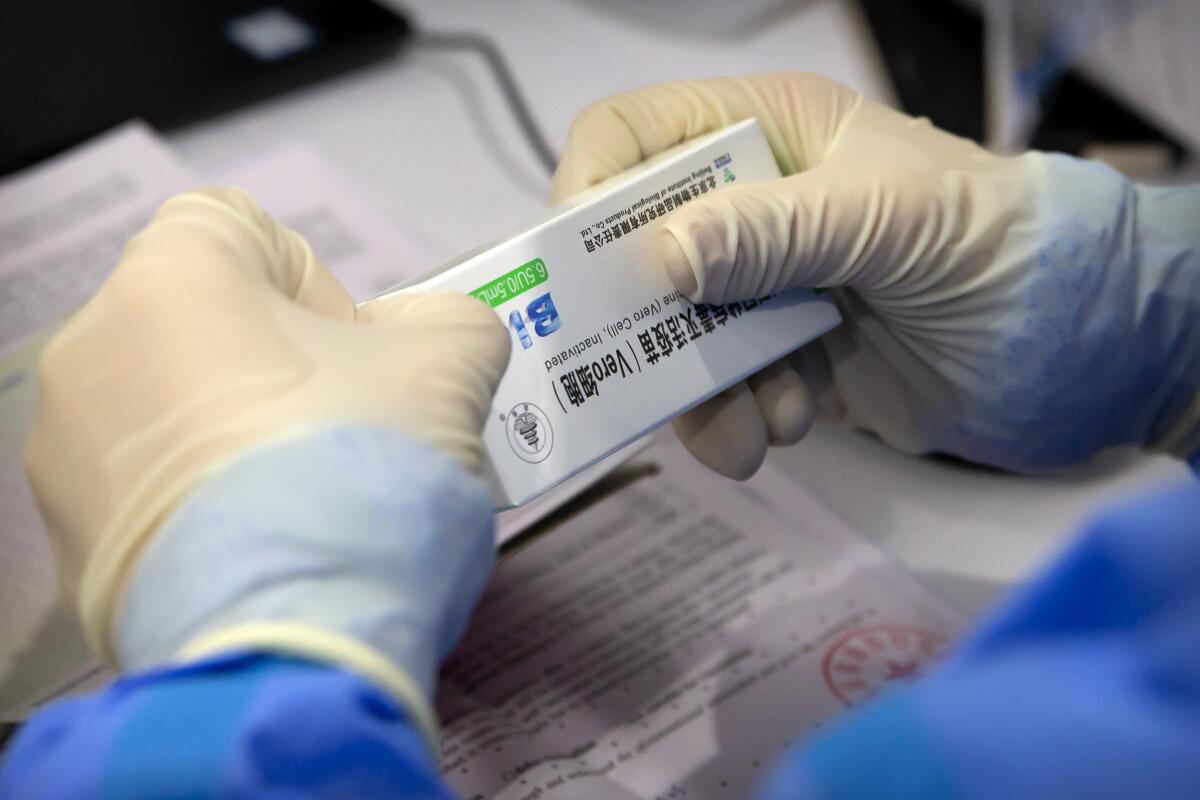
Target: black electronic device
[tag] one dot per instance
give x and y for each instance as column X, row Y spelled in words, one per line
column 70, row 69
column 933, row 50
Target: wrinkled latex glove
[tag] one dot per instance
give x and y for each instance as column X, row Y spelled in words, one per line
column 220, row 332
column 1022, row 312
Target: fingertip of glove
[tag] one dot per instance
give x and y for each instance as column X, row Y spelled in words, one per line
column 257, row 245
column 727, row 433
column 567, row 181
column 699, row 245
column 600, row 144
column 484, row 332
column 789, row 416
column 785, row 402
column 235, row 202
column 480, row 317
column 496, row 341
column 677, row 264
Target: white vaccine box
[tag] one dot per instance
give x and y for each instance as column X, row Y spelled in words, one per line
column 604, row 348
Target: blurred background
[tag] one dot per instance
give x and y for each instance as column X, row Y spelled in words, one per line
column 448, row 113
column 397, row 135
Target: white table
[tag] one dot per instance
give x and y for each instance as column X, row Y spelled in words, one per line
column 430, row 141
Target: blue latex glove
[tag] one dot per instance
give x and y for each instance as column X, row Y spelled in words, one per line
column 1086, row 684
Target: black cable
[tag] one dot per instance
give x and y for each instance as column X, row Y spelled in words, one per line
column 508, row 85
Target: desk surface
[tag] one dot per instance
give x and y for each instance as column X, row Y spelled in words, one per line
column 429, row 140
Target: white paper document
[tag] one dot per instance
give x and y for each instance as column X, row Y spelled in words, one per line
column 62, row 228
column 673, row 639
column 63, row 225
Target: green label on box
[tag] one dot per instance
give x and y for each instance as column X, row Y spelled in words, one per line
column 513, row 283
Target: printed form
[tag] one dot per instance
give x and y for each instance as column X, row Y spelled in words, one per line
column 672, row 639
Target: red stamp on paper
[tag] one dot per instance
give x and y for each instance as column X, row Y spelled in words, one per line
column 863, row 660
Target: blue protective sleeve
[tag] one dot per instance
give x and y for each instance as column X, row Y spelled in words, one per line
column 1085, row 684
column 235, row 726
column 354, row 529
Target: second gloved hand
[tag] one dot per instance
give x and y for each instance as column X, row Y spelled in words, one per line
column 1021, row 312
column 218, row 340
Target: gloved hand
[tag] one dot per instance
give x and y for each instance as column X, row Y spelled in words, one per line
column 1022, row 312
column 219, row 335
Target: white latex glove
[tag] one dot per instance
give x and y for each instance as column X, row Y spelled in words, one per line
column 219, row 332
column 1022, row 312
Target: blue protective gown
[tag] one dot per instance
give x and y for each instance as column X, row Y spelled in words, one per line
column 1085, row 684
